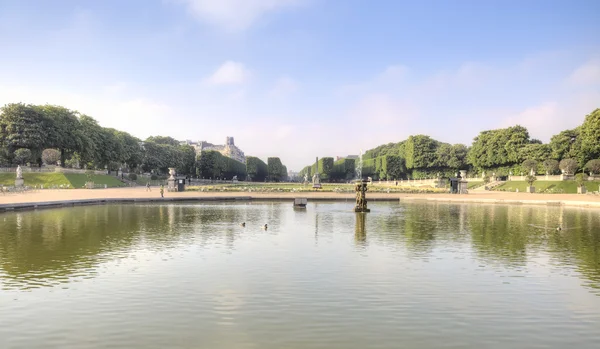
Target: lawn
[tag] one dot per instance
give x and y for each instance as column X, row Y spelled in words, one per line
column 57, row 179
column 567, row 187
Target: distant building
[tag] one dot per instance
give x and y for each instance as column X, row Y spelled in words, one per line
column 292, row 175
column 229, row 149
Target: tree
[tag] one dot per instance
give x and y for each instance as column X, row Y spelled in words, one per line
column 530, row 179
column 458, row 157
column 529, row 165
column 24, row 126
column 551, row 166
column 210, row 164
column 50, row 156
column 256, row 169
column 566, row 144
column 163, row 140
column 275, row 169
column 420, row 151
column 580, row 179
column 66, row 132
column 568, row 166
column 22, row 156
column 590, row 135
column 500, row 147
column 593, row 166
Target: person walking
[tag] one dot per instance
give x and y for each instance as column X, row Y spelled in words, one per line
column 162, row 191
column 148, row 186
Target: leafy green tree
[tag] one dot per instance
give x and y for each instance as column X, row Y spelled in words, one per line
column 24, row 126
column 566, row 144
column 593, row 166
column 590, row 136
column 551, row 166
column 569, row 166
column 210, row 164
column 420, row 151
column 275, row 169
column 50, row 156
column 66, row 133
column 580, row 179
column 163, row 140
column 529, row 165
column 256, row 169
column 530, row 179
column 22, row 156
column 458, row 157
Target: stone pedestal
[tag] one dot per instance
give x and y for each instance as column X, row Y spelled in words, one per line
column 581, row 190
column 19, row 182
column 171, row 184
column 462, row 186
column 531, row 189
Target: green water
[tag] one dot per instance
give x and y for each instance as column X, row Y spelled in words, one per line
column 403, row 276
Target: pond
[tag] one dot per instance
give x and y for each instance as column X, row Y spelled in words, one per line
column 412, row 275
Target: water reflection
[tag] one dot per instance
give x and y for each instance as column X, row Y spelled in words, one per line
column 423, row 274
column 360, row 235
column 45, row 248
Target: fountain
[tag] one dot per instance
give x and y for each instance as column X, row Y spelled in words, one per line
column 359, row 165
column 361, row 198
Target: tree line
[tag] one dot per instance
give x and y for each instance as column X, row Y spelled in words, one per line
column 501, row 151
column 55, row 135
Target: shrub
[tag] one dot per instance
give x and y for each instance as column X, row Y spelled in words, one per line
column 22, row 156
column 580, row 179
column 530, row 179
column 132, row 176
column 529, row 165
column 551, row 166
column 593, row 166
column 154, row 177
column 568, row 166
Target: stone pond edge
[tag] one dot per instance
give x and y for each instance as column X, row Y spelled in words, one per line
column 72, row 203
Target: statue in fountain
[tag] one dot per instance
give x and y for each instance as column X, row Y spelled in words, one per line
column 361, row 198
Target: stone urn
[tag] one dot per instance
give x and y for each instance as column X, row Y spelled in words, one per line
column 531, row 189
column 581, row 189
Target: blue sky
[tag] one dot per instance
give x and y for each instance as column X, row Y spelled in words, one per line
column 305, row 78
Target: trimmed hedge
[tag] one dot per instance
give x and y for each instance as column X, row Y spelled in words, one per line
column 256, row 169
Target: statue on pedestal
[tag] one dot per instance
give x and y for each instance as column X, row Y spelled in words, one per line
column 19, row 181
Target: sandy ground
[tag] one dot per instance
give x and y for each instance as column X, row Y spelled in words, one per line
column 140, row 192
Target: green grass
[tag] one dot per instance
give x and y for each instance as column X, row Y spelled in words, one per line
column 57, row 179
column 567, row 187
column 472, row 185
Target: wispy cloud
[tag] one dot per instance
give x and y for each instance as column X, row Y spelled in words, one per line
column 229, row 73
column 236, row 15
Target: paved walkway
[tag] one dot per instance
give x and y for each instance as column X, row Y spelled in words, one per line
column 588, row 200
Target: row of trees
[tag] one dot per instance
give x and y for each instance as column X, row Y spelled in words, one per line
column 501, row 151
column 56, row 135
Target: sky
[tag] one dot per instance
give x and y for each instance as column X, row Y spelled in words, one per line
column 305, row 78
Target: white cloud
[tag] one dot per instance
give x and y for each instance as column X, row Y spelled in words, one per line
column 283, row 87
column 229, row 73
column 236, row 15
column 587, row 74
